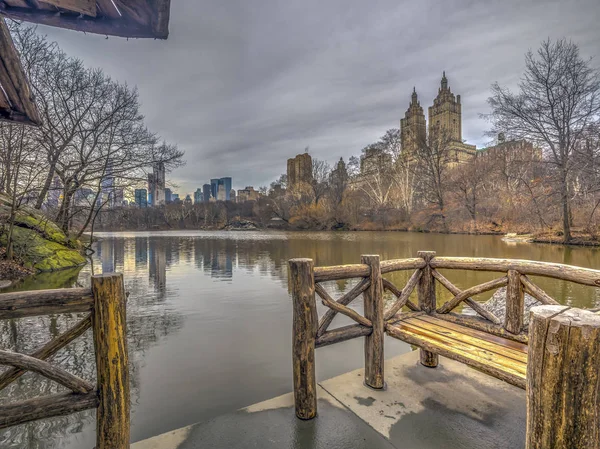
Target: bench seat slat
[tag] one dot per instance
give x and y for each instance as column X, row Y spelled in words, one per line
column 492, row 343
column 467, row 349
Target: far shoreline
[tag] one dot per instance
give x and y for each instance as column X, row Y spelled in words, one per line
column 546, row 238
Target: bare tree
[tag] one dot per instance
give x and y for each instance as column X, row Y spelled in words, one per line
column 320, row 179
column 468, row 182
column 558, row 99
column 430, row 163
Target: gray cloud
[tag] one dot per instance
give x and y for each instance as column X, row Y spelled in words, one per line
column 241, row 86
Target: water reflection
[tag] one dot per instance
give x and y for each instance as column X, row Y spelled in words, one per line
column 209, row 319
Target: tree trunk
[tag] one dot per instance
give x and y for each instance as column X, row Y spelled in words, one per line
column 566, row 208
column 47, row 184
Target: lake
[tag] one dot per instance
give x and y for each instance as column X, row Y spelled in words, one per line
column 209, row 318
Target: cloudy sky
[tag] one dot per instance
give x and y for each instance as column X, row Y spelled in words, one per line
column 243, row 85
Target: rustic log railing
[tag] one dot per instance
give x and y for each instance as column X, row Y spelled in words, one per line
column 583, row 354
column 105, row 303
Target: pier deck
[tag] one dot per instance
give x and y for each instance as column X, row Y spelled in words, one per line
column 453, row 406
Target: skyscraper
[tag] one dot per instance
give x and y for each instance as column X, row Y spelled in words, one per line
column 168, row 194
column 206, row 193
column 221, row 183
column 214, row 187
column 141, row 197
column 198, row 196
column 156, row 185
column 227, row 185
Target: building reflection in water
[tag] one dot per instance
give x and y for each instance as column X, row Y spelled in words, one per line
column 164, row 276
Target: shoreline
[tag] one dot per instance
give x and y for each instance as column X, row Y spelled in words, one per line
column 578, row 241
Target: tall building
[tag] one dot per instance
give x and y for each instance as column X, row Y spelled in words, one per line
column 232, row 195
column 299, row 169
column 141, row 197
column 413, row 127
column 188, row 200
column 444, row 125
column 206, row 192
column 247, row 194
column 214, row 187
column 156, row 185
column 515, row 153
column 221, row 193
column 107, row 195
column 217, row 184
column 198, row 196
column 168, row 198
column 119, row 197
column 226, row 182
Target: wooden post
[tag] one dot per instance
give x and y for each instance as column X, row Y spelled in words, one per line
column 373, row 300
column 563, row 383
column 515, row 303
column 110, row 343
column 427, row 302
column 304, row 334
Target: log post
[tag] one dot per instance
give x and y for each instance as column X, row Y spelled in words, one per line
column 515, row 303
column 304, row 333
column 373, row 300
column 563, row 382
column 110, row 343
column 427, row 302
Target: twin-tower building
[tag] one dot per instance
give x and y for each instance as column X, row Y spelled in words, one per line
column 445, row 126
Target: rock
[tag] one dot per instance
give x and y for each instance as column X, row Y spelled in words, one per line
column 39, row 242
column 497, row 305
column 5, row 283
column 241, row 225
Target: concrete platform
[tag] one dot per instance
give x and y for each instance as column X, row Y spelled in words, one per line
column 450, row 407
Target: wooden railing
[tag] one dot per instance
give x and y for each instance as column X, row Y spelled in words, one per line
column 310, row 332
column 105, row 305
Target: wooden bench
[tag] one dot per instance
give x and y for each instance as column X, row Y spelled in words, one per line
column 491, row 354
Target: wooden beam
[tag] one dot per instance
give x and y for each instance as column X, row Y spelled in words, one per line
column 46, row 407
column 332, row 304
column 563, row 381
column 328, row 317
column 44, row 368
column 579, row 275
column 469, row 301
column 14, row 83
column 302, row 285
column 388, row 266
column 338, row 272
column 342, row 334
column 427, row 303
column 123, row 27
column 87, row 7
column 45, row 302
column 48, row 350
column 404, row 294
column 112, row 362
column 481, row 288
column 373, row 300
column 537, row 292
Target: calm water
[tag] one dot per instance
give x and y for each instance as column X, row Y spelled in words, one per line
column 209, row 319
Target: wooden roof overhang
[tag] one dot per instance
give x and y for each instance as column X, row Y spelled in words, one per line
column 124, row 18
column 16, row 102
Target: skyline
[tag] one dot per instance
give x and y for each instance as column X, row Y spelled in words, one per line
column 247, row 87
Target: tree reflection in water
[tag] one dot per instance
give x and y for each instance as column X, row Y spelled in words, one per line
column 147, row 322
column 204, row 275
